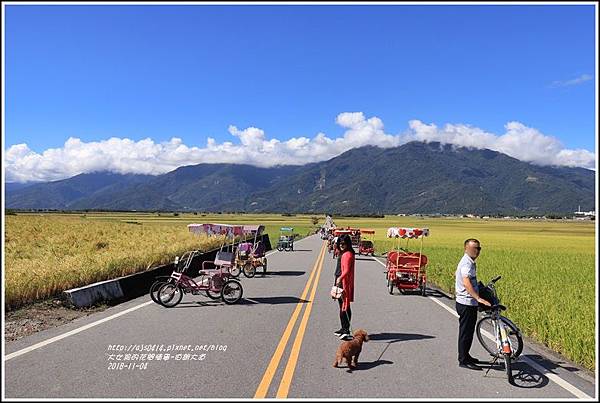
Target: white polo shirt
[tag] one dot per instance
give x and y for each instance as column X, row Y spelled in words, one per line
column 466, row 268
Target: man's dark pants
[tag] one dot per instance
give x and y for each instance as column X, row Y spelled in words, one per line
column 467, row 319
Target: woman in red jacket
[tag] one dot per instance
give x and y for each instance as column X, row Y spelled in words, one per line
column 346, row 281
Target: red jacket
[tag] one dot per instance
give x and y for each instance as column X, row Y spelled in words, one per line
column 347, row 279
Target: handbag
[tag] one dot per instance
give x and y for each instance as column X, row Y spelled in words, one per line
column 336, row 292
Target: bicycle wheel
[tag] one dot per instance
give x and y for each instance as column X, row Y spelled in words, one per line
column 169, row 295
column 154, row 289
column 516, row 340
column 249, row 270
column 264, row 266
column 213, row 294
column 486, row 325
column 234, row 271
column 508, row 367
column 232, row 292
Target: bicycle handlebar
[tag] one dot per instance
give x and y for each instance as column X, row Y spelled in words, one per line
column 496, row 279
column 498, row 307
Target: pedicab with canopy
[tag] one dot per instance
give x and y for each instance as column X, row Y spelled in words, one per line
column 365, row 245
column 286, row 239
column 251, row 255
column 354, row 236
column 406, row 270
column 215, row 278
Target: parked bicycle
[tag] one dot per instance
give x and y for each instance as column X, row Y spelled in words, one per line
column 498, row 335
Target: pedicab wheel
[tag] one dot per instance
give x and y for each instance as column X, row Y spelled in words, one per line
column 215, row 295
column 401, row 291
column 234, row 271
column 169, row 295
column 232, row 291
column 154, row 290
column 390, row 286
column 249, row 270
column 280, row 248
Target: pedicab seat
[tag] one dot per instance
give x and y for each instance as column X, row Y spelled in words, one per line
column 406, row 260
column 259, row 250
column 224, row 258
column 244, row 249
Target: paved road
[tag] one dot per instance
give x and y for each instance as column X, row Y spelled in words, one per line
column 277, row 343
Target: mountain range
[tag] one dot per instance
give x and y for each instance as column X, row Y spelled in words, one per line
column 416, row 177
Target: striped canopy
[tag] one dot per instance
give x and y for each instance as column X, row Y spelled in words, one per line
column 398, row 232
column 217, row 229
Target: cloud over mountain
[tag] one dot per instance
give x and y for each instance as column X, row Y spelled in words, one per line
column 251, row 146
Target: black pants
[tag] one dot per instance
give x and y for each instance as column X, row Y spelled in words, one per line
column 345, row 317
column 467, row 319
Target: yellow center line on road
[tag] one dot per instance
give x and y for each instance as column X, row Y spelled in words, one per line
column 263, row 387
column 286, row 381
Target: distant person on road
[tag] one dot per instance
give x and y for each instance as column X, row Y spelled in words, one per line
column 336, row 247
column 345, row 281
column 467, row 300
column 338, row 266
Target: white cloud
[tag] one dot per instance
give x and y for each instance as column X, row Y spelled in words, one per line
column 252, row 146
column 576, row 81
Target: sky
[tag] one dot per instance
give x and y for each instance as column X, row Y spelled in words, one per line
column 149, row 88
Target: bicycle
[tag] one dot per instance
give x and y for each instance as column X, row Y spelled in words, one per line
column 507, row 339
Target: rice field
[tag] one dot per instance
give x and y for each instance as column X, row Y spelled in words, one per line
column 547, row 267
column 46, row 254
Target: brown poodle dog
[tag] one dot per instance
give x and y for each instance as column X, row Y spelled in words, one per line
column 350, row 350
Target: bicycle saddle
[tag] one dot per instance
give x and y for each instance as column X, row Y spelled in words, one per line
column 499, row 307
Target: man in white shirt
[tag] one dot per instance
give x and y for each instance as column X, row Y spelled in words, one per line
column 467, row 299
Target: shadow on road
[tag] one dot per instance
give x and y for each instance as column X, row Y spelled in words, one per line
column 551, row 365
column 302, row 250
column 243, row 301
column 196, row 304
column 396, row 337
column 390, row 338
column 366, row 260
column 363, row 366
column 283, row 273
column 524, row 376
column 429, row 292
column 271, row 300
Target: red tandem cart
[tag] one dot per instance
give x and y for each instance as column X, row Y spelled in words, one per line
column 406, row 270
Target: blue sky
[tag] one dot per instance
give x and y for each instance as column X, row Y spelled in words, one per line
column 158, row 72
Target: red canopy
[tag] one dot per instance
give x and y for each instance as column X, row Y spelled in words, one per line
column 399, row 232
